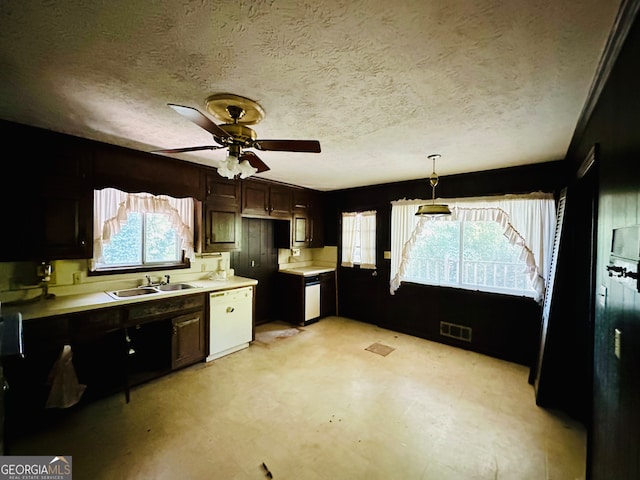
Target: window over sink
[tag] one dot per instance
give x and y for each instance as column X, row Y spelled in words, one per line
column 141, row 231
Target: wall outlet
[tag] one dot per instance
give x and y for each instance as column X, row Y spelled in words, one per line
column 77, row 278
column 295, row 252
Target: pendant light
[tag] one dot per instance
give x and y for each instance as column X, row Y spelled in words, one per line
column 433, row 209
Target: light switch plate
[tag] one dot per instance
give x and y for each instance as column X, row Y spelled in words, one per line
column 617, row 334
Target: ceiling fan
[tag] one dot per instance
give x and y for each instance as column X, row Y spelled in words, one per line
column 236, row 113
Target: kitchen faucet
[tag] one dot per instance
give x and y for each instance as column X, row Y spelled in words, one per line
column 151, row 284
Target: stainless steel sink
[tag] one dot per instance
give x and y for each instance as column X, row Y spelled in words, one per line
column 170, row 287
column 132, row 292
column 135, row 292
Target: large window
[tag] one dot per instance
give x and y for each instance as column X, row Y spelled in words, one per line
column 140, row 230
column 496, row 244
column 145, row 239
column 471, row 254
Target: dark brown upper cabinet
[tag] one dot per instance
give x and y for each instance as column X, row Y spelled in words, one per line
column 222, row 221
column 306, row 219
column 264, row 200
column 47, row 211
column 67, row 202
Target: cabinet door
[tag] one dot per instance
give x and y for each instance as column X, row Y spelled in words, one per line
column 67, row 226
column 290, row 299
column 27, row 377
column 327, row 294
column 188, row 339
column 260, row 199
column 221, row 214
column 221, row 228
column 280, row 202
column 255, row 198
column 300, row 229
column 99, row 351
column 316, row 220
column 222, row 191
column 67, row 200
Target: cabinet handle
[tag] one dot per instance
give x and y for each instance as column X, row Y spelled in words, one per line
column 174, row 330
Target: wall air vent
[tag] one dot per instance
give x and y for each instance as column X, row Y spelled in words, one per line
column 452, row 330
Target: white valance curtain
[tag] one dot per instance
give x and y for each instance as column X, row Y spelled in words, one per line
column 111, row 207
column 359, row 230
column 528, row 221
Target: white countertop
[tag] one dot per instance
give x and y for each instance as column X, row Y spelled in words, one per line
column 308, row 270
column 89, row 301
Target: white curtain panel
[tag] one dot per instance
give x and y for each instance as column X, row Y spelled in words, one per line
column 528, row 221
column 111, row 207
column 359, row 228
column 368, row 239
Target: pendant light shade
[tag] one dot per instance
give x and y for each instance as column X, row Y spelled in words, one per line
column 433, row 209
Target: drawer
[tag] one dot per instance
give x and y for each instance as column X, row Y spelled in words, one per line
column 159, row 308
column 95, row 323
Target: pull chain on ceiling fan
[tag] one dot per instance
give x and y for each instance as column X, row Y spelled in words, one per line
column 237, row 112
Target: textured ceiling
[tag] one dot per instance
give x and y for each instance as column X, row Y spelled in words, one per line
column 486, row 83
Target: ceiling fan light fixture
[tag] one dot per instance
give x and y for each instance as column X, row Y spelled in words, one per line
column 246, row 170
column 433, row 209
column 232, row 168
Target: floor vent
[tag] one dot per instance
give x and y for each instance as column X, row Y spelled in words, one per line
column 455, row 331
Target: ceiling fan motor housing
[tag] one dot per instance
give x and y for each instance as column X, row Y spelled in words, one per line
column 241, row 134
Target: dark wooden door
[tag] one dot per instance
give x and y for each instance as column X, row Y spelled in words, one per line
column 258, row 259
column 359, row 294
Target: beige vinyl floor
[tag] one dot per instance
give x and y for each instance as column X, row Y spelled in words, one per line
column 313, row 403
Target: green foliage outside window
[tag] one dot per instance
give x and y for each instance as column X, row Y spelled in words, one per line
column 144, row 235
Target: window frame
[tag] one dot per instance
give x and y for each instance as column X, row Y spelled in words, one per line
column 348, row 261
column 127, row 202
column 461, row 264
column 528, row 221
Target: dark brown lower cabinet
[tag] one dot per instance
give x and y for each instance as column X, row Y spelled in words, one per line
column 327, row 294
column 113, row 349
column 291, row 300
column 187, row 339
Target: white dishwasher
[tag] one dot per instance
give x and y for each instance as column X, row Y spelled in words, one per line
column 230, row 321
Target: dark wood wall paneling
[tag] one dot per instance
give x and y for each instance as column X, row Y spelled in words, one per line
column 614, row 125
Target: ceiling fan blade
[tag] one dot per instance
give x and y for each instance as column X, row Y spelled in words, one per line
column 311, row 146
column 200, row 119
column 187, row 149
column 254, row 160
